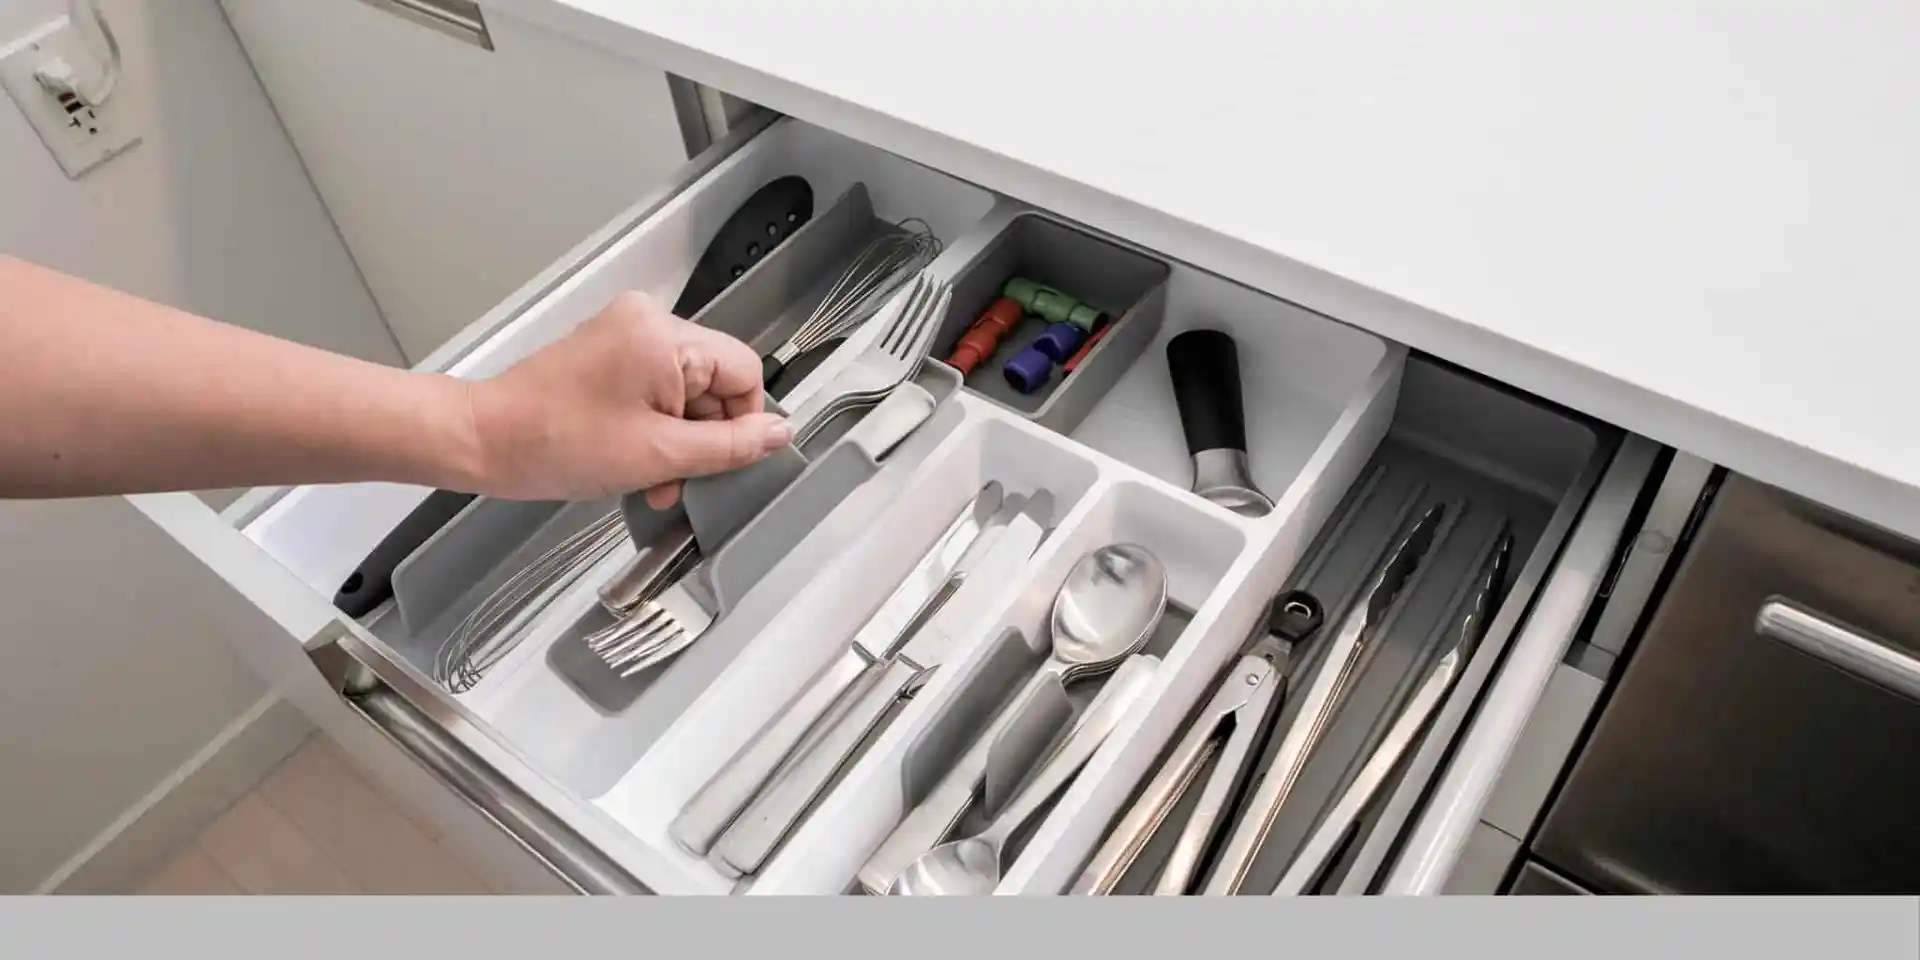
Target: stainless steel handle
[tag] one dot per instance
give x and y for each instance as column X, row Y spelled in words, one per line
column 1844, row 648
column 651, row 570
column 713, row 809
column 1324, row 843
column 571, row 857
column 747, row 844
column 1145, row 817
column 459, row 19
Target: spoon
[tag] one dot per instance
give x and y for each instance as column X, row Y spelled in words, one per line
column 1127, row 616
column 1109, row 604
column 972, row 867
column 1105, row 611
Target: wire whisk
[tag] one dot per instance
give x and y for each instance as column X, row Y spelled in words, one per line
column 876, row 273
column 495, row 627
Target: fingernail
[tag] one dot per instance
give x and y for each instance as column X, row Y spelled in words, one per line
column 779, row 434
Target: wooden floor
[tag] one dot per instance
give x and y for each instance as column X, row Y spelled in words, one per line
column 314, row 826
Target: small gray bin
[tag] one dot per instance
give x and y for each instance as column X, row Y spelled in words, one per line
column 1131, row 287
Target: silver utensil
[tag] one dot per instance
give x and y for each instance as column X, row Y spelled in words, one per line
column 892, row 359
column 660, row 628
column 1103, row 613
column 495, row 627
column 1107, row 608
column 1319, row 704
column 889, row 361
column 972, row 866
column 875, row 273
column 991, row 568
column 712, row 810
column 1336, row 828
column 1229, row 732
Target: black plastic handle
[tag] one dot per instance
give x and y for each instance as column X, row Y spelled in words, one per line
column 763, row 221
column 1205, row 366
column 777, row 378
column 371, row 583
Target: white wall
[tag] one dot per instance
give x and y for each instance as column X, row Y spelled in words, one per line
column 106, row 687
column 455, row 173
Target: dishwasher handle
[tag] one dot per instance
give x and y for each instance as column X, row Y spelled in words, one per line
column 1849, row 650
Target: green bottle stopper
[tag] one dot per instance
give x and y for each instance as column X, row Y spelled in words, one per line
column 1050, row 304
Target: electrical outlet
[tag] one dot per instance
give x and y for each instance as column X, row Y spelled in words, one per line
column 81, row 137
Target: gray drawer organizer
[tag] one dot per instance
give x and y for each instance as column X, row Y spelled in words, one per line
column 1129, row 286
column 1491, row 458
column 1027, row 738
column 452, row 573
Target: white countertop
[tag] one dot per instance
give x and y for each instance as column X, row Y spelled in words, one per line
column 1699, row 220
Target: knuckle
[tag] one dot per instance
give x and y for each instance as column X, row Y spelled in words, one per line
column 634, row 302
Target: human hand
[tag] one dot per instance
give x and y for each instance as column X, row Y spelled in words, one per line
column 633, row 399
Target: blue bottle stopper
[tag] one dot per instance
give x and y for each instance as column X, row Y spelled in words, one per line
column 1029, row 369
column 1059, row 341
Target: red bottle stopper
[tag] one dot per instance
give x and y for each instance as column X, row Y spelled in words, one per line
column 1087, row 347
column 979, row 341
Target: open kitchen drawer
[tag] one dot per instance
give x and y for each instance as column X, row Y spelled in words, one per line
column 1340, row 424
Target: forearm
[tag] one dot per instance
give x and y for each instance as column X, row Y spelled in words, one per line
column 104, row 393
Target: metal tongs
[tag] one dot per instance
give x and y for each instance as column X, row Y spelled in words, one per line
column 1334, row 832
column 1246, row 831
column 1230, row 732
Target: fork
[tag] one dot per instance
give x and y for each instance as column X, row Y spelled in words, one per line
column 656, row 631
column 659, row 621
column 889, row 361
column 661, row 614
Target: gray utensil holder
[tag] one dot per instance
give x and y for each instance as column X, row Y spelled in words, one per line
column 983, row 693
column 743, row 540
column 771, row 300
column 764, row 538
column 1130, row 286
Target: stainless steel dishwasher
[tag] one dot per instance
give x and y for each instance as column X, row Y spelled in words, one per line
column 1764, row 736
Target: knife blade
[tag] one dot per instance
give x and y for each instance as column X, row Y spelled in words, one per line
column 1320, row 702
column 713, row 809
column 993, row 565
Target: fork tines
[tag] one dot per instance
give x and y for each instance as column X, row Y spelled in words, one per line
column 912, row 331
column 630, row 646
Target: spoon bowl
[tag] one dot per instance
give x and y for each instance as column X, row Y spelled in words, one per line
column 968, row 867
column 1106, row 609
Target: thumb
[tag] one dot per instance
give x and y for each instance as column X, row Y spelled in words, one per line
column 694, row 448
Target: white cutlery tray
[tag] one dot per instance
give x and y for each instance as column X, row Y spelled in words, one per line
column 1319, row 397
column 1211, row 555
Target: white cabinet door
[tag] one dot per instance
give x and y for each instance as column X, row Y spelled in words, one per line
column 454, row 172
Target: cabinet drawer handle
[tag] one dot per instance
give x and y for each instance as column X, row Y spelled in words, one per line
column 1849, row 650
column 392, row 702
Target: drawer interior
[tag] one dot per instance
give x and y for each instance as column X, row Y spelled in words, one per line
column 321, row 532
column 1495, row 463
column 1322, row 403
